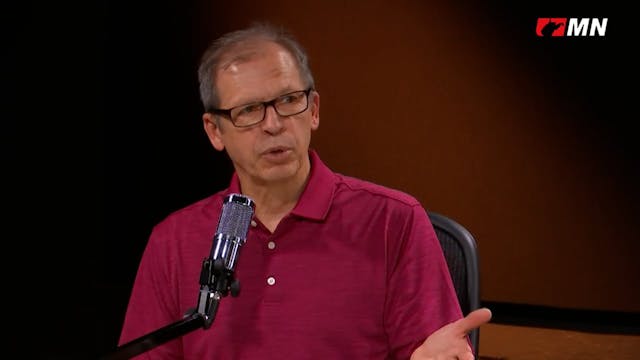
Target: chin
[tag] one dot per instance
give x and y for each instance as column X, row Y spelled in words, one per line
column 280, row 172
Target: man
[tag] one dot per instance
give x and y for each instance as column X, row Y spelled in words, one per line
column 333, row 267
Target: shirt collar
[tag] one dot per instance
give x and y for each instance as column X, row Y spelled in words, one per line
column 315, row 200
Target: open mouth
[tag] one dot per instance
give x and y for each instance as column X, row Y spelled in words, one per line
column 276, row 150
column 277, row 154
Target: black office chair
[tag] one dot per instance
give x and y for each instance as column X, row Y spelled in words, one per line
column 460, row 250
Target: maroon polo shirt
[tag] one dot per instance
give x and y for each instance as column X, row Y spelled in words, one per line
column 355, row 271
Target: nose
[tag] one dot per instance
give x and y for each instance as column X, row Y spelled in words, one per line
column 272, row 122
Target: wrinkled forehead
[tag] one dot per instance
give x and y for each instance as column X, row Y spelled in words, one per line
column 253, row 50
column 256, row 71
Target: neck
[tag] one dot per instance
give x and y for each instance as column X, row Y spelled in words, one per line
column 274, row 200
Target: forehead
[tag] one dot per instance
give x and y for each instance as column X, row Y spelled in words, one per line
column 257, row 63
column 250, row 50
column 255, row 70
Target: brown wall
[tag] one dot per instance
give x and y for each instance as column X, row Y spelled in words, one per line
column 479, row 124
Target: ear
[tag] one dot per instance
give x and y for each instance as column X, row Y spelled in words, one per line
column 212, row 128
column 315, row 110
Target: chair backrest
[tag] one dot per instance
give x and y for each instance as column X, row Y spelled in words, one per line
column 460, row 250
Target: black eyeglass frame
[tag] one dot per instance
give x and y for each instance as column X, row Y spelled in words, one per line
column 227, row 112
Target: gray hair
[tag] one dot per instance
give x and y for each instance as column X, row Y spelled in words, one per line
column 223, row 48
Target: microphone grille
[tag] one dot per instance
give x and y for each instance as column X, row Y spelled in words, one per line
column 237, row 211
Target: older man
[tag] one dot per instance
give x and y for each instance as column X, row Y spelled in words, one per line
column 334, row 267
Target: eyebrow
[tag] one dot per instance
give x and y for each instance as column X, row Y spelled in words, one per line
column 285, row 91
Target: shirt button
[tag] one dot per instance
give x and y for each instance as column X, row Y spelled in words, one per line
column 271, row 280
column 253, row 223
column 271, row 245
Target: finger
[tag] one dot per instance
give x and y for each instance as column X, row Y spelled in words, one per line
column 473, row 320
column 466, row 356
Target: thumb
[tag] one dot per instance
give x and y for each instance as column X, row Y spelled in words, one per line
column 473, row 320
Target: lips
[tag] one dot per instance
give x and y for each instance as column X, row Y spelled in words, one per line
column 275, row 150
column 277, row 154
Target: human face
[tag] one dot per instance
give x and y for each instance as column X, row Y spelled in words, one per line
column 276, row 149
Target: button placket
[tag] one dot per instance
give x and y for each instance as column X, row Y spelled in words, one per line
column 271, row 280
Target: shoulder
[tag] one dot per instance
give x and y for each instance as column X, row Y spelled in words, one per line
column 374, row 201
column 366, row 190
column 203, row 212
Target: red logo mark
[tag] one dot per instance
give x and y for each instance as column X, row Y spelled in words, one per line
column 551, row 26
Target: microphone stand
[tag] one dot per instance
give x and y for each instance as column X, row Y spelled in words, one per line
column 216, row 281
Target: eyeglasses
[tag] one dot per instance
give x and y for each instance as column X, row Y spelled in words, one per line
column 289, row 104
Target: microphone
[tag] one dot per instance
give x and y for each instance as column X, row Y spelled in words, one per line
column 216, row 278
column 233, row 226
column 217, row 275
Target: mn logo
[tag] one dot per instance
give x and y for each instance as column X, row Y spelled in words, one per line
column 585, row 27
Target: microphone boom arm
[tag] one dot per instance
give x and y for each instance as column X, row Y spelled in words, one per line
column 217, row 280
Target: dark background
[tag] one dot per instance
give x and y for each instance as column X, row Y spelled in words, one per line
column 528, row 142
